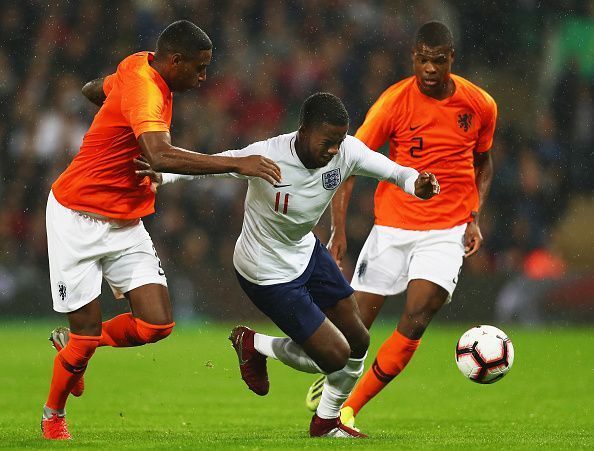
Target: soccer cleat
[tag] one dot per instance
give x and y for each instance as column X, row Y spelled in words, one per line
column 59, row 338
column 55, row 428
column 347, row 417
column 312, row 399
column 252, row 364
column 320, row 427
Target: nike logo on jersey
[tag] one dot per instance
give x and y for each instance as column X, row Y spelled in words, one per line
column 413, row 128
column 281, row 186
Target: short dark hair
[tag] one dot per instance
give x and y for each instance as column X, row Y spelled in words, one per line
column 323, row 107
column 434, row 34
column 183, row 37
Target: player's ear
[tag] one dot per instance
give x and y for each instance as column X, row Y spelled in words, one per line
column 175, row 59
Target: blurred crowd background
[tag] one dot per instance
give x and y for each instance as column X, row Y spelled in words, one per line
column 535, row 57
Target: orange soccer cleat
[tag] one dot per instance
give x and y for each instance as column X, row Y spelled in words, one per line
column 252, row 364
column 59, row 338
column 55, row 428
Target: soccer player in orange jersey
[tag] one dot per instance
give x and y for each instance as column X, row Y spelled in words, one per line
column 93, row 215
column 437, row 122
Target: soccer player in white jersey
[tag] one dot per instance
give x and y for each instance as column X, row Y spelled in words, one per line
column 285, row 270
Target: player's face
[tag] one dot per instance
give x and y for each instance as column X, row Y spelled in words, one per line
column 187, row 72
column 322, row 143
column 432, row 67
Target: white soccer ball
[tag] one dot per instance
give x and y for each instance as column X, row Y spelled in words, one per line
column 484, row 354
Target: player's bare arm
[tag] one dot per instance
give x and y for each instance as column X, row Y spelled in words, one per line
column 337, row 245
column 483, row 172
column 164, row 157
column 93, row 91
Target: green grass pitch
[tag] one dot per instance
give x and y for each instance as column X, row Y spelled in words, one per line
column 186, row 393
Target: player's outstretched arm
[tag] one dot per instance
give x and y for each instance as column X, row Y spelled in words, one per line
column 93, row 91
column 164, row 157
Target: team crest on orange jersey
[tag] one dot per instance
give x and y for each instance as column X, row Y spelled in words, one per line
column 465, row 121
column 331, row 179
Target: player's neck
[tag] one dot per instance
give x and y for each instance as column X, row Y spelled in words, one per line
column 448, row 90
column 156, row 64
column 301, row 154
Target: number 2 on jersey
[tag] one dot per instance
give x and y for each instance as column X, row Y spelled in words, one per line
column 285, row 203
column 417, row 148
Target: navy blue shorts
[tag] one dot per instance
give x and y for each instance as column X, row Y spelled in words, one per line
column 296, row 306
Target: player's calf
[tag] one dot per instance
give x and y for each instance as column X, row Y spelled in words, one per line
column 59, row 338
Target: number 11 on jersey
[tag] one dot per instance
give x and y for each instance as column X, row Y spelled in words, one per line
column 285, row 202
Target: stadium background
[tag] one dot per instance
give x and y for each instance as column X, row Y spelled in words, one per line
column 535, row 57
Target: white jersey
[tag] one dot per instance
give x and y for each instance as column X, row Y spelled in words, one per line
column 276, row 241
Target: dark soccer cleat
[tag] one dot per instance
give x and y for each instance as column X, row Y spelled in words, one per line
column 252, row 364
column 321, row 427
column 59, row 338
column 55, row 428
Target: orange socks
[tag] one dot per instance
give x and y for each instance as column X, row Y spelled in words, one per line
column 69, row 366
column 392, row 357
column 125, row 331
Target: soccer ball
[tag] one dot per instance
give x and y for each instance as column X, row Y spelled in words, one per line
column 484, row 354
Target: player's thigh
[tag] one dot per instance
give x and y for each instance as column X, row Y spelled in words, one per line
column 424, row 298
column 151, row 303
column 86, row 320
column 369, row 305
column 289, row 305
column 328, row 347
column 75, row 246
column 136, row 272
column 346, row 317
column 437, row 258
column 382, row 266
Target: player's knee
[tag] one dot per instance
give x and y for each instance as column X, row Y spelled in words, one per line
column 151, row 333
column 79, row 350
column 336, row 358
column 359, row 343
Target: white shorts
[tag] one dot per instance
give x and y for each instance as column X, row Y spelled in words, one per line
column 82, row 249
column 392, row 257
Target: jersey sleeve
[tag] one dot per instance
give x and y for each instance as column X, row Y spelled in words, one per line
column 143, row 105
column 258, row 148
column 378, row 126
column 253, row 149
column 108, row 84
column 367, row 163
column 488, row 121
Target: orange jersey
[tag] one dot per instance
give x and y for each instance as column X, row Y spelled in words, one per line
column 437, row 136
column 101, row 178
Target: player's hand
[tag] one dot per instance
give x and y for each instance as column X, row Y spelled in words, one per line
column 259, row 166
column 426, row 186
column 337, row 246
column 143, row 169
column 473, row 239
